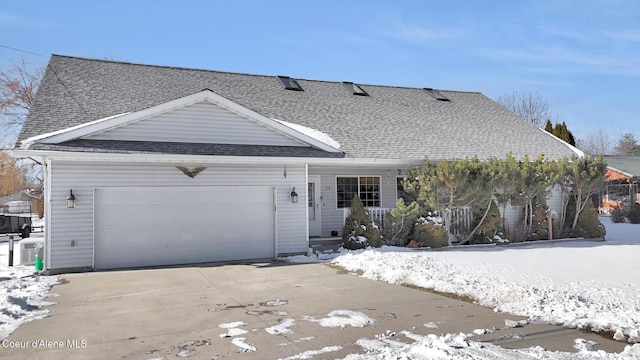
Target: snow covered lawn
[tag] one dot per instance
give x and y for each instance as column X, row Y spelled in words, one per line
column 579, row 284
column 23, row 295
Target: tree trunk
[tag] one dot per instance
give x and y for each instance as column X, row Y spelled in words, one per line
column 579, row 208
column 479, row 224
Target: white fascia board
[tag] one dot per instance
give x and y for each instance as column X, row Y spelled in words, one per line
column 577, row 151
column 105, row 124
column 52, row 136
column 210, row 159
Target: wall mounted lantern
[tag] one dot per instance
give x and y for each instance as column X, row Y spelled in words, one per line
column 71, row 200
column 294, row 195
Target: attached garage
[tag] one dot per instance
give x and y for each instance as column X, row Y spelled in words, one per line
column 148, row 226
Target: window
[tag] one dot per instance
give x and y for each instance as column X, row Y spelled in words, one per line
column 289, row 83
column 366, row 187
column 436, row 94
column 354, row 89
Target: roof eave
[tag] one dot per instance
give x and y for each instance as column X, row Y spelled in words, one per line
column 225, row 159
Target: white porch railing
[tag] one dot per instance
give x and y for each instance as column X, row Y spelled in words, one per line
column 377, row 214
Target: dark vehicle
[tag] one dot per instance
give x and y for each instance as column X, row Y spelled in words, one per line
column 15, row 219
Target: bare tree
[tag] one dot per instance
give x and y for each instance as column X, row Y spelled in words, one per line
column 531, row 106
column 13, row 176
column 598, row 143
column 18, row 86
column 627, row 145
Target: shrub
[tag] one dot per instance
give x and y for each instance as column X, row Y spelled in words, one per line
column 399, row 223
column 617, row 215
column 491, row 225
column 634, row 213
column 429, row 232
column 539, row 225
column 588, row 225
column 359, row 231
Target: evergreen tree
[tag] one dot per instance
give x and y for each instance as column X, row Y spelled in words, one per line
column 583, row 177
column 399, row 223
column 359, row 231
column 561, row 131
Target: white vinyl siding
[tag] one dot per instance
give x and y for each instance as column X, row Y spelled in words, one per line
column 332, row 217
column 70, row 231
column 199, row 123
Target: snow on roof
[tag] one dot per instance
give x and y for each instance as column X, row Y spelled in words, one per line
column 313, row 133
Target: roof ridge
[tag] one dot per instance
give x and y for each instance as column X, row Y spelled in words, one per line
column 158, row 66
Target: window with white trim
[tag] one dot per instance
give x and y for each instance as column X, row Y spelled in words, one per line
column 366, row 187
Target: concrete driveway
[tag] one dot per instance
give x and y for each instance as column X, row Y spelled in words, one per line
column 183, row 311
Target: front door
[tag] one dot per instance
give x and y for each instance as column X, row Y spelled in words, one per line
column 313, row 197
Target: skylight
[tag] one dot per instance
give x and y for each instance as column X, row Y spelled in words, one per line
column 354, row 89
column 289, row 83
column 436, row 94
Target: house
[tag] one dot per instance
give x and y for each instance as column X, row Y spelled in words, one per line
column 621, row 183
column 152, row 165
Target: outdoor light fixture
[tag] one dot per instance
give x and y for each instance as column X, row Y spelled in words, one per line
column 294, row 195
column 71, row 200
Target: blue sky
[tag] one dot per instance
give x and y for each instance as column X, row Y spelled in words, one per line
column 583, row 57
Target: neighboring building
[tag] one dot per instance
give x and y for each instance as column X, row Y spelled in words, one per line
column 172, row 165
column 18, row 202
column 621, row 185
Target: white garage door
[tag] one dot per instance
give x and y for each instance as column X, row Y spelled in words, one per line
column 162, row 226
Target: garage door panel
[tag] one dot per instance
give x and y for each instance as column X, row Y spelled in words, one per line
column 161, row 226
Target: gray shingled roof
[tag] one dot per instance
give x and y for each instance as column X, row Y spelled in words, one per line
column 391, row 123
column 628, row 164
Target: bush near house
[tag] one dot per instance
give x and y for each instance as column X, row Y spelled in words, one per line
column 359, row 231
column 490, row 227
column 428, row 232
column 588, row 225
column 524, row 183
column 399, row 223
column 539, row 225
column 617, row 215
column 633, row 214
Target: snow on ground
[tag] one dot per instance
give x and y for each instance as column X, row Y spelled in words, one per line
column 407, row 345
column 576, row 283
column 579, row 284
column 457, row 347
column 23, row 293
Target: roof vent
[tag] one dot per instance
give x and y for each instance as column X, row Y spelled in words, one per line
column 436, row 94
column 289, row 83
column 354, row 89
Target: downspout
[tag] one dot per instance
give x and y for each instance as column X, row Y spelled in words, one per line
column 306, row 192
column 46, row 169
